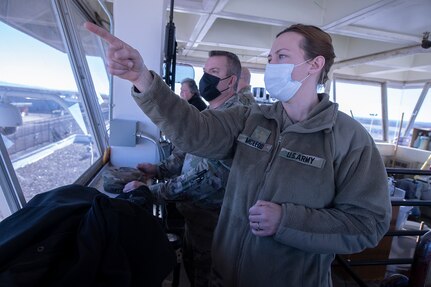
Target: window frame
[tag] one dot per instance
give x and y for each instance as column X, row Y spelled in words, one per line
column 9, row 184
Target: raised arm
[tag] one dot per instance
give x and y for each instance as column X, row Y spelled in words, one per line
column 123, row 60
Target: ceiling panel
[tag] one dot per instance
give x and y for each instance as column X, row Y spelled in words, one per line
column 368, row 30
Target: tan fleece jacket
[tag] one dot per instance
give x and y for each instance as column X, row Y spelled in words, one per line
column 325, row 172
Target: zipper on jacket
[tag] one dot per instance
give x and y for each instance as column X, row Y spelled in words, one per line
column 247, row 235
column 274, row 154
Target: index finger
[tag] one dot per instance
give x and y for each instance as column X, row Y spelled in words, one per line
column 108, row 37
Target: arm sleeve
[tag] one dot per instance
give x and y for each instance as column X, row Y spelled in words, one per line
column 171, row 166
column 209, row 133
column 201, row 182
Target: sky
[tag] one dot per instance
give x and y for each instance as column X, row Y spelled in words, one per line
column 27, row 61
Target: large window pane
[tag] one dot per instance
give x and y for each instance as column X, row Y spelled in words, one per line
column 4, row 209
column 94, row 51
column 55, row 143
column 423, row 119
column 400, row 101
column 363, row 102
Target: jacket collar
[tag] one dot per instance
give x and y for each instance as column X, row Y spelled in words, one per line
column 322, row 116
column 232, row 101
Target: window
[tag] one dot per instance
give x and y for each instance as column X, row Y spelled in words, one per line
column 362, row 101
column 400, row 101
column 60, row 136
column 4, row 208
column 423, row 118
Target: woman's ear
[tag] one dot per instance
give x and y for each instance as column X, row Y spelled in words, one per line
column 317, row 64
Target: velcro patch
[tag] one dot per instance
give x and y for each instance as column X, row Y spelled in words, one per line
column 257, row 139
column 254, row 143
column 302, row 158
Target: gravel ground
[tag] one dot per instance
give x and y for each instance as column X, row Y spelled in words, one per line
column 60, row 168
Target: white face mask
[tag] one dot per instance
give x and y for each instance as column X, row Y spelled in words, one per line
column 279, row 83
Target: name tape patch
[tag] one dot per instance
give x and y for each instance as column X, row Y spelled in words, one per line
column 302, row 158
column 254, row 143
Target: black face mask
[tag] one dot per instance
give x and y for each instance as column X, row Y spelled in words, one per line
column 208, row 87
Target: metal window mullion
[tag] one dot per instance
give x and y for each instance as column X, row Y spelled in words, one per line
column 110, row 76
column 385, row 117
column 9, row 182
column 81, row 72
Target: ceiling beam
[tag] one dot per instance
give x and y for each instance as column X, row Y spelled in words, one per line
column 415, row 49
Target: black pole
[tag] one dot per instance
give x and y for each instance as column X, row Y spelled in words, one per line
column 170, row 49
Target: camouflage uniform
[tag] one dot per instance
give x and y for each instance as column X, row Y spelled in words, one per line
column 172, row 166
column 246, row 96
column 200, row 189
column 115, row 178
